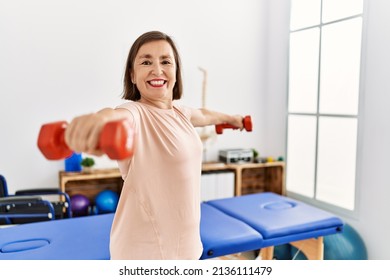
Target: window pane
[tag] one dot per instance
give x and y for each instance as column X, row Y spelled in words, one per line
column 336, row 161
column 305, row 13
column 301, row 145
column 340, row 67
column 303, row 73
column 337, row 9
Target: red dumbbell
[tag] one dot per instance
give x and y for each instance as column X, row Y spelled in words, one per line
column 247, row 122
column 116, row 140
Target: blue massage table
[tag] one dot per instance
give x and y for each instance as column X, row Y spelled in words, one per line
column 228, row 226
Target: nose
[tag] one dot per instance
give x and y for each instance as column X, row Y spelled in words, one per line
column 157, row 69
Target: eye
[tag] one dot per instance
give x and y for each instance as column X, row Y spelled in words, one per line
column 166, row 62
column 146, row 62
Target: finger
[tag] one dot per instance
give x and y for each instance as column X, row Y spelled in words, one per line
column 76, row 134
column 92, row 140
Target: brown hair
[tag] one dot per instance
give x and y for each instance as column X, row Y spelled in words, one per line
column 130, row 91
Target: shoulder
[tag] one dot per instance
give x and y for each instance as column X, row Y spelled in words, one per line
column 185, row 110
column 131, row 107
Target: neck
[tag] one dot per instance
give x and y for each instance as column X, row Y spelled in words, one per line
column 161, row 104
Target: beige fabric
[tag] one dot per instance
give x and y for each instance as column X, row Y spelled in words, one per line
column 158, row 214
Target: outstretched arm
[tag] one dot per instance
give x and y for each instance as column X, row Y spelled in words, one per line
column 204, row 117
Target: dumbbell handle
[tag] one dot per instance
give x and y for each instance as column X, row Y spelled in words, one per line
column 116, row 140
column 246, row 121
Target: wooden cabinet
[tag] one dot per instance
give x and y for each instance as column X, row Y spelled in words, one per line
column 249, row 178
column 253, row 177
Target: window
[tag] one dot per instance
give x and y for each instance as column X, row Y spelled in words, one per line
column 323, row 99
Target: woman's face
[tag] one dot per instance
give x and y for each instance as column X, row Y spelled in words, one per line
column 155, row 71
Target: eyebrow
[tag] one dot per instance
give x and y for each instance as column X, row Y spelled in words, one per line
column 150, row 56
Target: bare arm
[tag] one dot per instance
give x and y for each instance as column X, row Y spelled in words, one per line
column 82, row 134
column 203, row 117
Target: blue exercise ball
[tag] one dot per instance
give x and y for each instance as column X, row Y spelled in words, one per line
column 79, row 205
column 106, row 201
column 347, row 245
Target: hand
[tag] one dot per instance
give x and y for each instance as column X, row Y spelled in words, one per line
column 82, row 134
column 237, row 121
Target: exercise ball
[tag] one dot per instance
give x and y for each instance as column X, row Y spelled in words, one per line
column 282, row 252
column 79, row 205
column 106, row 201
column 347, row 245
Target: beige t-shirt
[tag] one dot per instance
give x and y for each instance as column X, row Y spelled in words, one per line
column 158, row 214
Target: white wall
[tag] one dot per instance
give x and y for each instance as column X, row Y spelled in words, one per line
column 63, row 58
column 373, row 167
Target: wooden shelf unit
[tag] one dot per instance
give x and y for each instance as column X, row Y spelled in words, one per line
column 90, row 184
column 253, row 177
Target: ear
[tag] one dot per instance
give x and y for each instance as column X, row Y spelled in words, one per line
column 132, row 77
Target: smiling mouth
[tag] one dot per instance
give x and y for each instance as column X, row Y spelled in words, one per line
column 157, row 83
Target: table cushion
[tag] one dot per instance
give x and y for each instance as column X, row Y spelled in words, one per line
column 83, row 238
column 276, row 216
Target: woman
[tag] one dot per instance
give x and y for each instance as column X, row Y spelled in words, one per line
column 158, row 214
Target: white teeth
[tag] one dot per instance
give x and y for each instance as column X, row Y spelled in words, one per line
column 157, row 83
